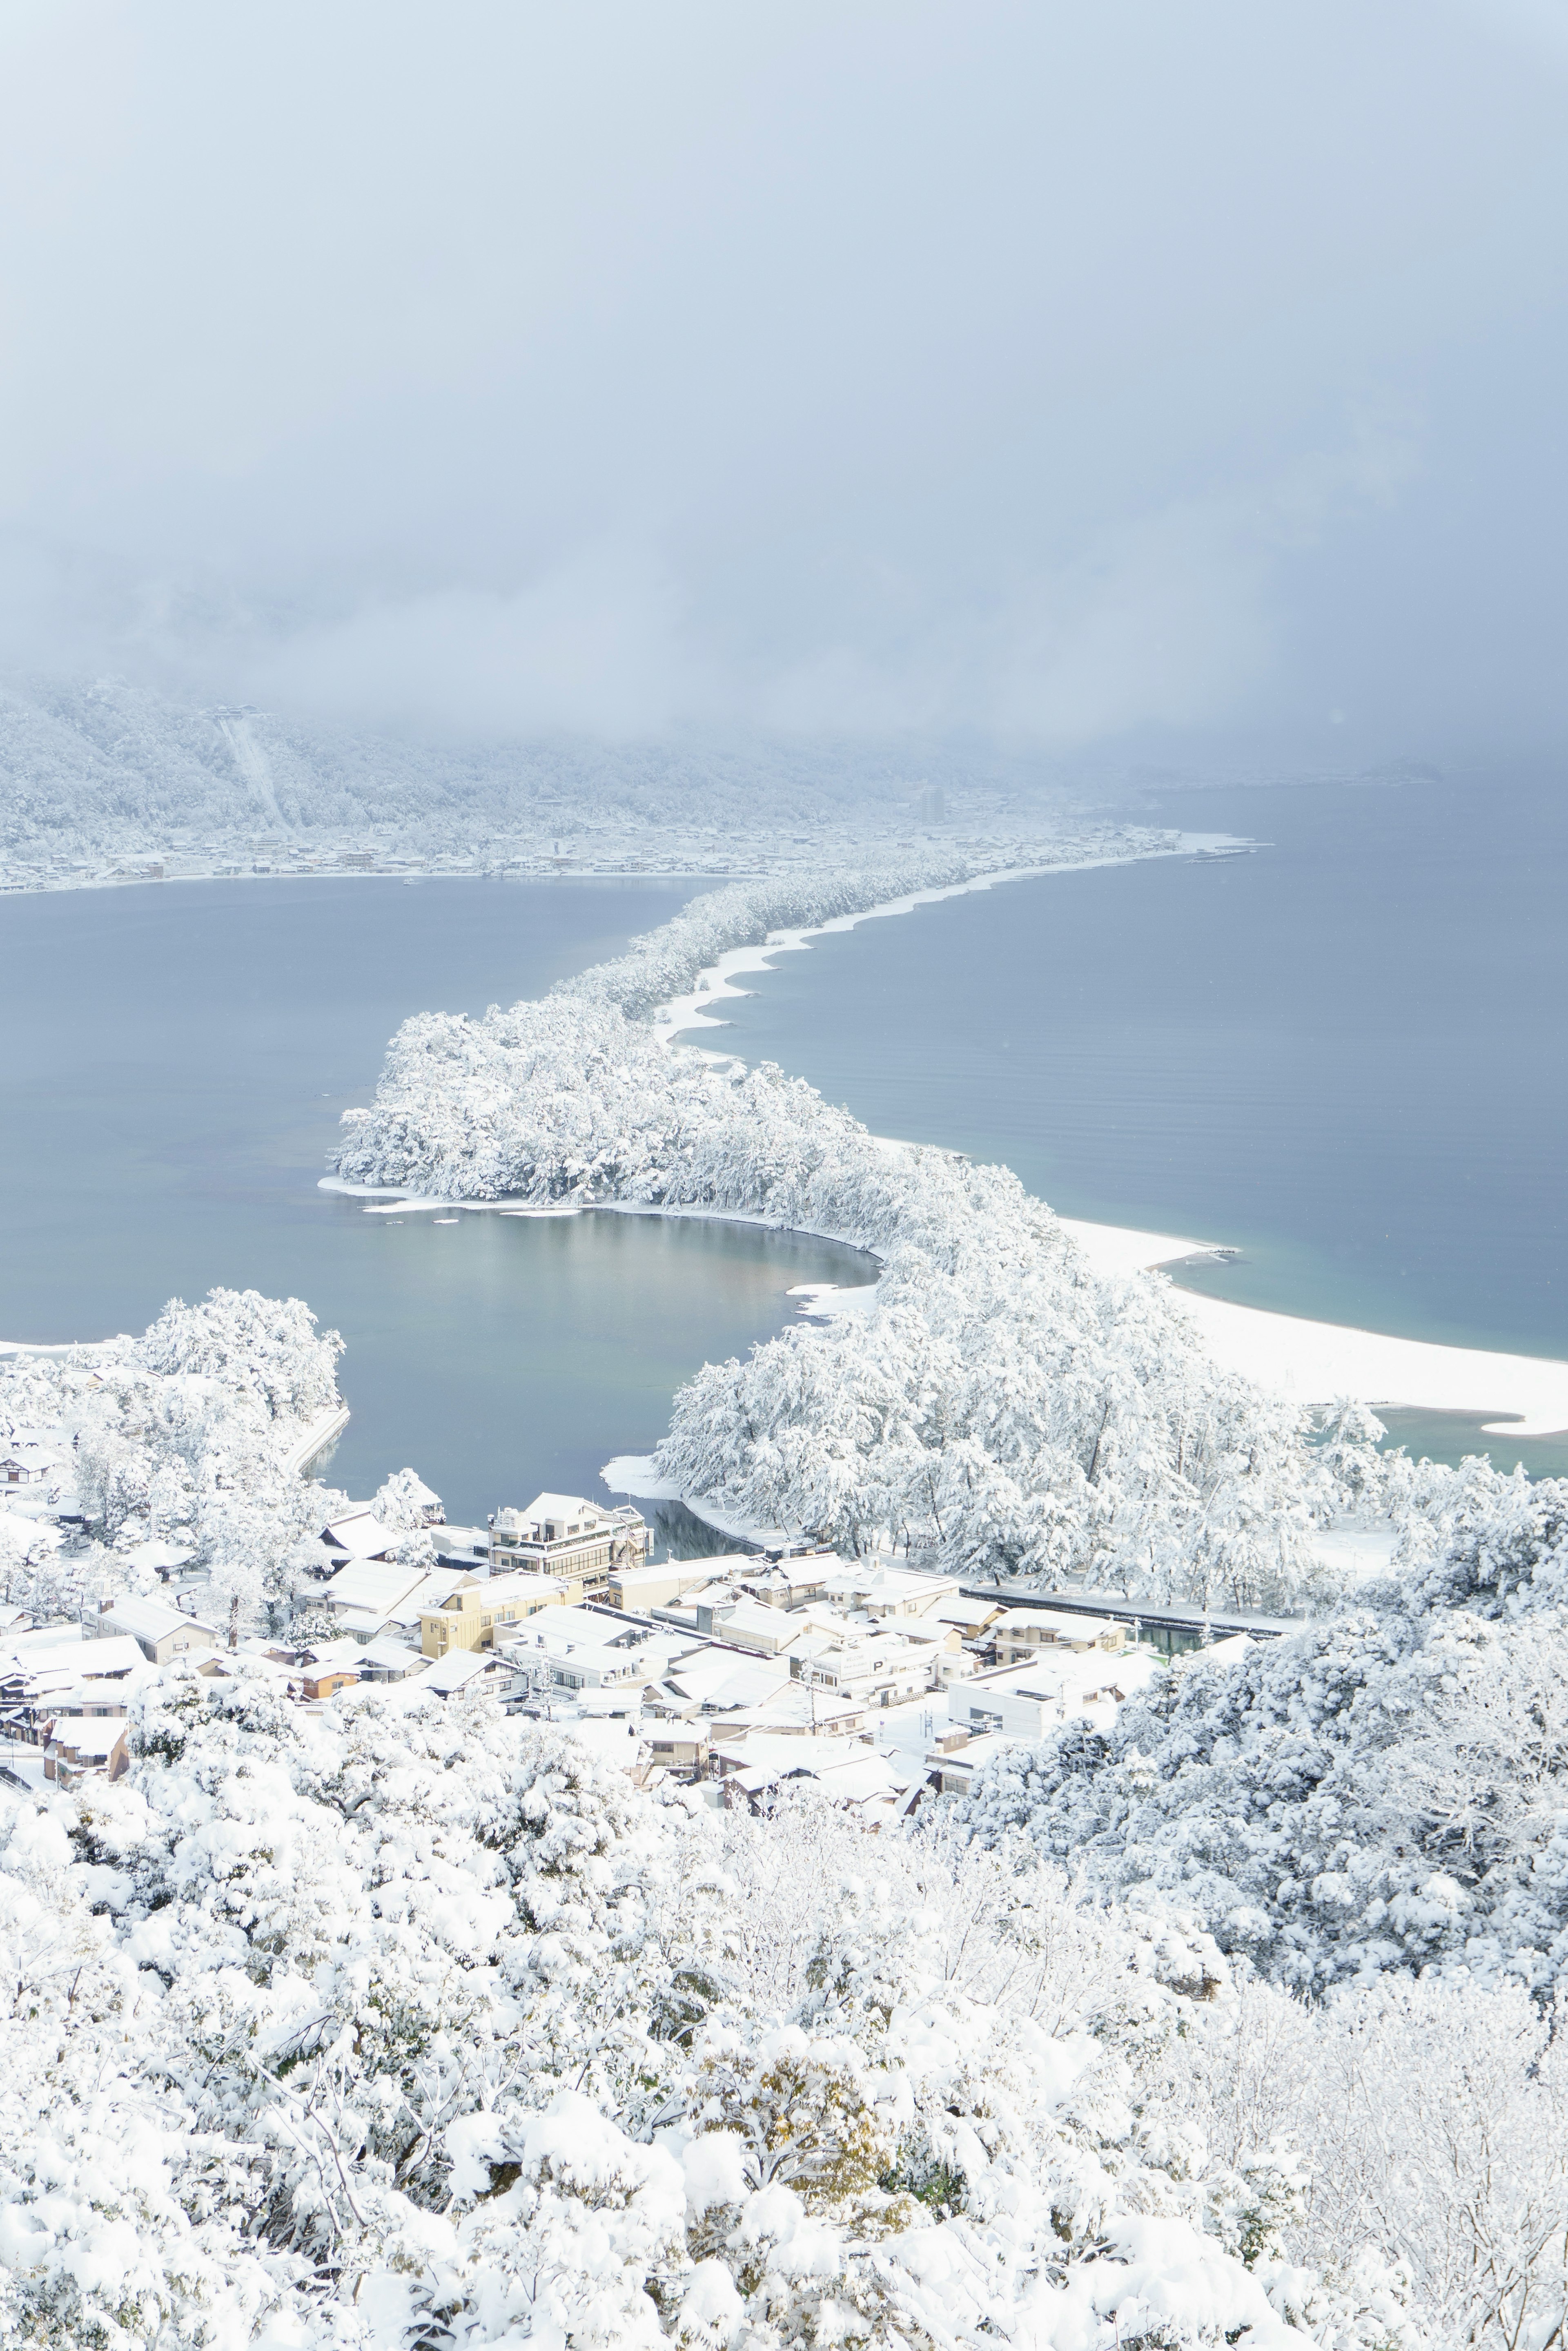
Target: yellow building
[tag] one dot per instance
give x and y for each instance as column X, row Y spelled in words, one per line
column 478, row 1613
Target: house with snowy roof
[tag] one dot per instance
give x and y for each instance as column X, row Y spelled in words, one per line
column 1020, row 1634
column 359, row 1535
column 567, row 1535
column 867, row 1662
column 478, row 1613
column 639, row 1589
column 870, row 1589
column 729, row 1616
column 849, row 1773
column 586, row 1650
column 790, row 1583
column 82, row 1748
column 468, row 1670
column 163, row 1560
column 714, row 1681
column 30, row 1465
column 159, row 1631
column 91, row 1681
column 371, row 1597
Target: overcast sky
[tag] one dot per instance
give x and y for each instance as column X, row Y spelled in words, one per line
column 1082, row 374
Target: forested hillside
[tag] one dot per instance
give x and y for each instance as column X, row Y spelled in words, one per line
column 92, row 764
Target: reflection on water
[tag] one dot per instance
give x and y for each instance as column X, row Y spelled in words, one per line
column 503, row 1355
column 178, row 1058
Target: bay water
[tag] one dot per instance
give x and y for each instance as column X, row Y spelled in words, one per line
column 1343, row 1055
column 178, row 1056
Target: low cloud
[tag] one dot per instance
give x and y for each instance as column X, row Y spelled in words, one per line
column 918, row 369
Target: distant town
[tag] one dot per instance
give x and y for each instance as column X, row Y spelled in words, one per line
column 738, row 1672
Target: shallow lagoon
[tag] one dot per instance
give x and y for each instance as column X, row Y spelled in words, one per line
column 178, row 1058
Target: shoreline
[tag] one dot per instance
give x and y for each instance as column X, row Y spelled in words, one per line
column 680, row 1013
column 1308, row 1362
column 1293, row 1356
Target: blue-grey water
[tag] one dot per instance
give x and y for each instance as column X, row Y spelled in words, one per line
column 1344, row 1055
column 177, row 1058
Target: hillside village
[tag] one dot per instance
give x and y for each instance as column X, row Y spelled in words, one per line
column 881, row 1685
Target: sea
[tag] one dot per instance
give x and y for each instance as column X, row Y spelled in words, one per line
column 178, row 1056
column 1341, row 1054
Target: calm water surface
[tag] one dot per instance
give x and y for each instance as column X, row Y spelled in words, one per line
column 1343, row 1055
column 178, row 1058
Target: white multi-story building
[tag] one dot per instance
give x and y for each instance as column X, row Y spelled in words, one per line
column 564, row 1535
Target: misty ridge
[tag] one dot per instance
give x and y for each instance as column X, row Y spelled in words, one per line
column 94, row 768
column 92, row 764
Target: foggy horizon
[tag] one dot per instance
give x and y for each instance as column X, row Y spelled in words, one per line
column 1125, row 387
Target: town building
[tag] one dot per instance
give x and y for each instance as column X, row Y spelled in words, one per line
column 863, row 1587
column 683, row 1747
column 159, row 1631
column 639, row 1589
column 563, row 1534
column 82, row 1747
column 359, row 1535
column 1020, row 1634
column 479, row 1616
column 29, row 1465
column 375, row 1597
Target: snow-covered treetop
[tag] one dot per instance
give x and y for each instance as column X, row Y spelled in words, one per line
column 1386, row 1790
column 1000, row 1404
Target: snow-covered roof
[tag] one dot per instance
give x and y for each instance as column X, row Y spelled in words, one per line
column 375, row 1583
column 389, row 1656
column 568, row 1512
column 968, row 1614
column 613, row 1740
column 454, row 1672
column 34, row 1654
column 150, row 1620
column 90, row 1736
column 327, row 1656
column 30, row 1457
column 361, row 1534
column 701, row 1672
column 793, row 1702
column 160, row 1557
column 562, row 1506
column 849, row 1769
column 753, row 1620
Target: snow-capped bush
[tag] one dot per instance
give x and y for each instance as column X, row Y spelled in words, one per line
column 189, row 1432
column 404, row 2024
column 1386, row 1790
